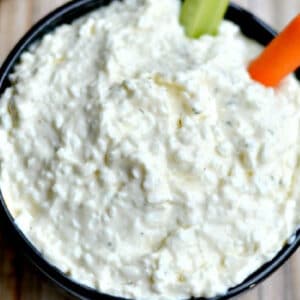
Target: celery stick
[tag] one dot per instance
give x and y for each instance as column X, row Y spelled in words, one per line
column 200, row 17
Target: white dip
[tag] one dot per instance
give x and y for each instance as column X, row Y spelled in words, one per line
column 146, row 164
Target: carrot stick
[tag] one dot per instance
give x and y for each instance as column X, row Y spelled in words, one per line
column 280, row 58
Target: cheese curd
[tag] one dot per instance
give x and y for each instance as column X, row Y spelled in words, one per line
column 145, row 164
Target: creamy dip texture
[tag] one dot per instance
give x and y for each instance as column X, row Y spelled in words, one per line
column 146, row 164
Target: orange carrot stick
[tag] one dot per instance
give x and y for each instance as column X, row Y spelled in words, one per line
column 280, row 58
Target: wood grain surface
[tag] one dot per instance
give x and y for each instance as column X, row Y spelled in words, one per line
column 21, row 281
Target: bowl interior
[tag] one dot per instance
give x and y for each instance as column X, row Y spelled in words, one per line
column 251, row 26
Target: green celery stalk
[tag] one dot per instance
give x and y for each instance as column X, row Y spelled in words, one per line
column 200, row 17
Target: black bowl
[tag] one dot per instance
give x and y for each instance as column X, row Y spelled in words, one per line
column 250, row 25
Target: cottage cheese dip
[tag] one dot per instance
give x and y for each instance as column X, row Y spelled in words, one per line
column 145, row 164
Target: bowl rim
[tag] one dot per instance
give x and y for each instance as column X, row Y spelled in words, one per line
column 250, row 25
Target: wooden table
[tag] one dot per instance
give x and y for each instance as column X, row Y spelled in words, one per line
column 18, row 279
